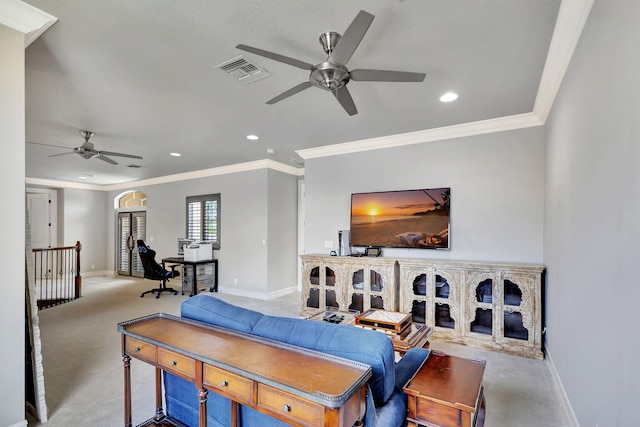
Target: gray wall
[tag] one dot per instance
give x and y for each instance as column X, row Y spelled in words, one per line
column 592, row 220
column 247, row 220
column 84, row 215
column 12, row 303
column 282, row 231
column 497, row 193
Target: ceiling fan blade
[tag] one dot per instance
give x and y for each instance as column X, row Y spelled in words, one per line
column 344, row 98
column 62, row 154
column 386, row 76
column 111, row 153
column 276, row 57
column 106, row 159
column 292, row 91
column 351, row 38
column 48, row 145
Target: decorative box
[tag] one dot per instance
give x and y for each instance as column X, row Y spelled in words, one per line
column 388, row 321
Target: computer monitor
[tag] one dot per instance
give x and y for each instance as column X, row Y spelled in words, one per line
column 181, row 244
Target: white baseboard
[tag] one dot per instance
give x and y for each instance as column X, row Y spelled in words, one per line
column 95, row 273
column 566, row 404
column 19, row 424
column 257, row 295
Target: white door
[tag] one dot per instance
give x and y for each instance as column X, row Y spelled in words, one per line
column 40, row 220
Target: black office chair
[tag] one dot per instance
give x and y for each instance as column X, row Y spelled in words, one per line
column 154, row 271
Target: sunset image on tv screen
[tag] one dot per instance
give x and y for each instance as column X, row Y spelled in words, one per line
column 401, row 219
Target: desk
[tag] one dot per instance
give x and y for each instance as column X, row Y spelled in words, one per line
column 276, row 375
column 446, row 392
column 194, row 265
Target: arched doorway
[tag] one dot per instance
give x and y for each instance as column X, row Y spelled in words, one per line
column 131, row 225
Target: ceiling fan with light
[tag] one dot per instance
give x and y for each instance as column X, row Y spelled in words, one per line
column 88, row 151
column 333, row 75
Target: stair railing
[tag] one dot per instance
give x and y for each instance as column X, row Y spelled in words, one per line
column 57, row 275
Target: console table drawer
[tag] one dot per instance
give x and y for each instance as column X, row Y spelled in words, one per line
column 290, row 406
column 176, row 363
column 229, row 383
column 140, row 350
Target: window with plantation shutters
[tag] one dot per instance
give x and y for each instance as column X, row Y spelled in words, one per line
column 203, row 219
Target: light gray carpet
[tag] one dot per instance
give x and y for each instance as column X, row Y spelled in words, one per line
column 83, row 371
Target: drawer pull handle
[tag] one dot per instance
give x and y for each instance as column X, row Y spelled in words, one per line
column 137, row 349
column 224, row 383
column 174, row 363
column 286, row 408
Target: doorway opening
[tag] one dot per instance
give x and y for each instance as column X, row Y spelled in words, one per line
column 131, row 225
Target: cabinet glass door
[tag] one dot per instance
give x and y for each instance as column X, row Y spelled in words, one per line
column 376, row 285
column 443, row 317
column 483, row 322
column 512, row 317
column 357, row 291
column 330, row 289
column 419, row 304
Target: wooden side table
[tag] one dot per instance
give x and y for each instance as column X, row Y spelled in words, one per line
column 446, row 392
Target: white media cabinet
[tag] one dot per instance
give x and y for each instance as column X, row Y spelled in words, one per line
column 497, row 306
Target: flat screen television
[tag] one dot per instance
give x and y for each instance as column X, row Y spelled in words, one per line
column 401, row 219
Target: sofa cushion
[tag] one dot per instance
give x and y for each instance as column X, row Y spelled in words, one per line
column 361, row 345
column 214, row 311
column 182, row 402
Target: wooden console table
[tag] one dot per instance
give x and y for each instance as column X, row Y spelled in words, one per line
column 446, row 392
column 243, row 368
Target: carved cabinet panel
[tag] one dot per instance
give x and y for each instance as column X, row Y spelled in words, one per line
column 323, row 284
column 348, row 283
column 432, row 295
column 371, row 283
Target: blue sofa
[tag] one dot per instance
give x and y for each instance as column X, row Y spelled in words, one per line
column 386, row 402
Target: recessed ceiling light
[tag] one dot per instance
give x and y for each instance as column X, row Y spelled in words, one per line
column 448, row 97
column 86, row 176
column 252, row 137
column 271, row 151
column 175, row 154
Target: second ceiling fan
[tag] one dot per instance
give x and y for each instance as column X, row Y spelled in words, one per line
column 87, row 151
column 333, row 75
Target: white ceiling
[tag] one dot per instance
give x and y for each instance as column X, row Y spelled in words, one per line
column 142, row 75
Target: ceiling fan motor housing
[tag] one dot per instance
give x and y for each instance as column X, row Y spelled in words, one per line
column 329, row 76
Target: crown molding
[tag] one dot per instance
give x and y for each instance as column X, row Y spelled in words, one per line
column 572, row 17
column 501, row 124
column 25, row 18
column 52, row 183
column 203, row 173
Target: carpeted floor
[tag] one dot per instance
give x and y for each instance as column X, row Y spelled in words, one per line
column 83, row 371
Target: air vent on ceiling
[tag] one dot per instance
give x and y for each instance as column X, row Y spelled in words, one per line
column 243, row 71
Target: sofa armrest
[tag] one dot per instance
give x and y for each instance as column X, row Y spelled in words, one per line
column 409, row 364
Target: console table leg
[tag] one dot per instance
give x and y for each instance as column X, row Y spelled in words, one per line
column 127, row 390
column 235, row 412
column 202, row 394
column 159, row 411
